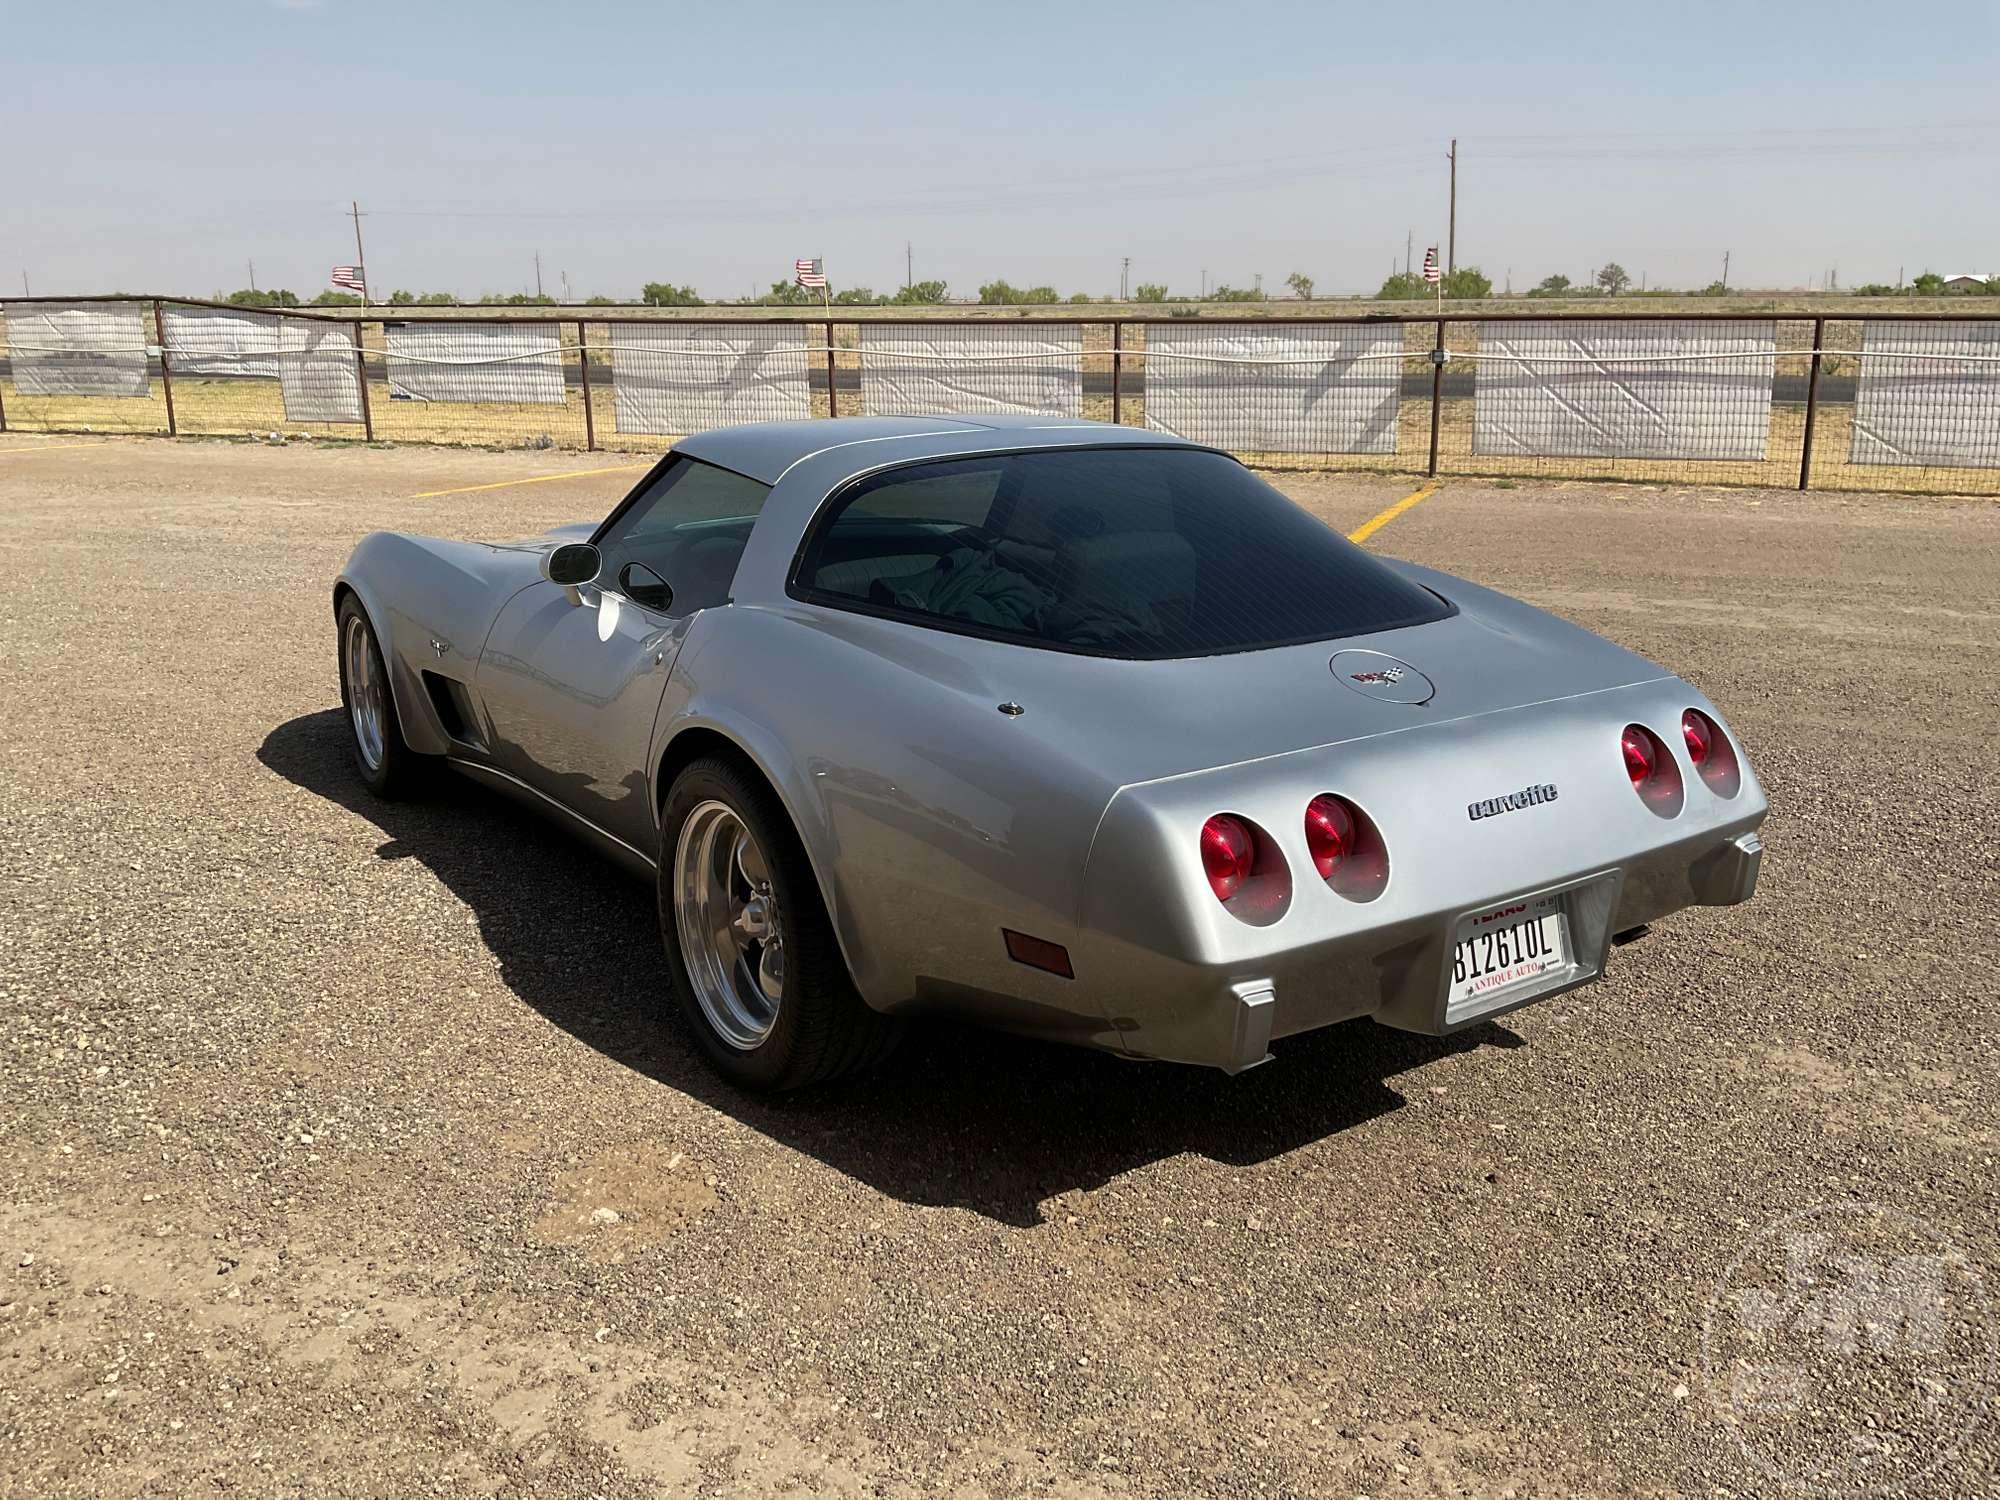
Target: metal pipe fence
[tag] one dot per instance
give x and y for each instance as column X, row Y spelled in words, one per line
column 1896, row 401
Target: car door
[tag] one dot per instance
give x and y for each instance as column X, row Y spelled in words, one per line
column 571, row 678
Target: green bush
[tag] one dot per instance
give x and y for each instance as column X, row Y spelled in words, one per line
column 1551, row 286
column 1404, row 286
column 1152, row 291
column 1226, row 293
column 666, row 294
column 250, row 297
column 922, row 294
column 1301, row 285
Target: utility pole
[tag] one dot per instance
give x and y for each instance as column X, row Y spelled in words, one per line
column 1409, row 244
column 1124, row 275
column 565, row 287
column 538, row 274
column 253, row 275
column 1451, row 236
column 909, row 266
column 360, row 255
column 24, row 285
column 1204, row 282
column 1725, row 270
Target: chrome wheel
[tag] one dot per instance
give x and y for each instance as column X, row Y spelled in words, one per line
column 726, row 915
column 364, row 693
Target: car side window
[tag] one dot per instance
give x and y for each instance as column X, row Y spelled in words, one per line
column 690, row 526
column 896, row 528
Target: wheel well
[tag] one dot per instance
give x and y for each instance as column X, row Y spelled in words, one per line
column 341, row 591
column 689, row 746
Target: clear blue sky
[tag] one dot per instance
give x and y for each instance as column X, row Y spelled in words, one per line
column 160, row 147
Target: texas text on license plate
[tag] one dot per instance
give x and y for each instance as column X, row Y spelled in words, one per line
column 1515, row 946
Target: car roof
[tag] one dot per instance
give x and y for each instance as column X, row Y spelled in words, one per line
column 766, row 450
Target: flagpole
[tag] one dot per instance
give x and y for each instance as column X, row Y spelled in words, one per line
column 360, row 256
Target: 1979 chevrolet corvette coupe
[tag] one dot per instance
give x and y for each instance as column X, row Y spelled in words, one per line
column 1083, row 731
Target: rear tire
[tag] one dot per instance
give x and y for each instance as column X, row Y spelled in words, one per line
column 387, row 766
column 756, row 970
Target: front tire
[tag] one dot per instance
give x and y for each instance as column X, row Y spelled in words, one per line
column 756, row 970
column 386, row 765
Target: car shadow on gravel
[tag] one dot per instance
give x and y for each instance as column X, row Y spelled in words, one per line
column 958, row 1116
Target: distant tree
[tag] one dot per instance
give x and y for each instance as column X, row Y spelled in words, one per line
column 1152, row 291
column 1929, row 284
column 666, row 294
column 1469, row 283
column 437, row 299
column 1715, row 289
column 336, row 299
column 599, row 302
column 251, row 297
column 1875, row 289
column 1301, row 285
column 785, row 294
column 402, row 299
column 1004, row 293
column 1403, row 286
column 529, row 299
column 1080, row 297
column 1227, row 293
column 855, row 296
column 921, row 294
column 1551, row 286
column 1613, row 278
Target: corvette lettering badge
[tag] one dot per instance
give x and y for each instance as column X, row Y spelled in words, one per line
column 1527, row 797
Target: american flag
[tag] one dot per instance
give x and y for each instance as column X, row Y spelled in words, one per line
column 811, row 272
column 349, row 277
column 1431, row 272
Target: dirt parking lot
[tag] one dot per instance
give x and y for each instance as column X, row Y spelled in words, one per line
column 346, row 1154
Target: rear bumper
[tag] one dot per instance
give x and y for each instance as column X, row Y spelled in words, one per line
column 1225, row 1015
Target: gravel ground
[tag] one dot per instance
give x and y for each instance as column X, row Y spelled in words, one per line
column 343, row 1155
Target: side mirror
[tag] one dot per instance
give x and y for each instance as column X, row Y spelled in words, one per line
column 643, row 586
column 572, row 564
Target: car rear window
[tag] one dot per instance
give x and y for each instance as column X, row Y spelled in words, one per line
column 1131, row 552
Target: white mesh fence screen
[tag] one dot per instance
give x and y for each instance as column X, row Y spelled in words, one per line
column 500, row 364
column 680, row 378
column 1311, row 389
column 1938, row 404
column 78, row 348
column 221, row 341
column 317, row 373
column 1616, row 389
column 1036, row 368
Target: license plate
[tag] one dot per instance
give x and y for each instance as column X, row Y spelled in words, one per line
column 1500, row 952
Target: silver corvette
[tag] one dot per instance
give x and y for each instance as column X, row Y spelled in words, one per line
column 1081, row 731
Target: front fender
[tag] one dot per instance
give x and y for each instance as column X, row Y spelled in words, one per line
column 419, row 591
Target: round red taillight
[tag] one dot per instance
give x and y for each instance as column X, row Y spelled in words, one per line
column 1329, row 833
column 1655, row 775
column 1639, row 759
column 1346, row 848
column 1227, row 853
column 1700, row 738
column 1713, row 756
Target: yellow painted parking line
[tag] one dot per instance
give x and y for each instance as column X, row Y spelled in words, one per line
column 1374, row 524
column 48, row 448
column 467, row 489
